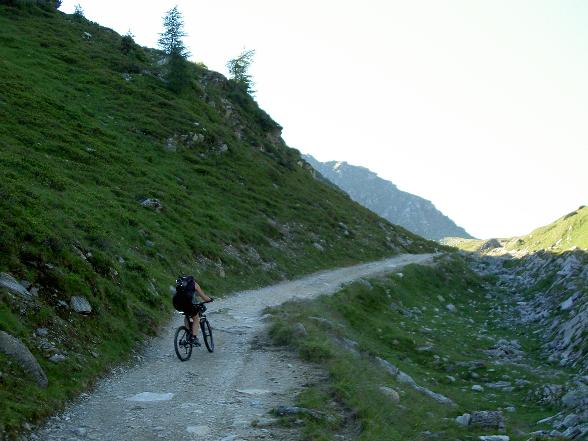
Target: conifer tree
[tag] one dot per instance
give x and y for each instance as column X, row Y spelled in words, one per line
column 239, row 70
column 171, row 43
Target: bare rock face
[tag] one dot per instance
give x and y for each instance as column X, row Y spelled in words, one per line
column 10, row 283
column 16, row 350
column 80, row 305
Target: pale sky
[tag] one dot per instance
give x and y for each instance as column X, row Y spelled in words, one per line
column 479, row 106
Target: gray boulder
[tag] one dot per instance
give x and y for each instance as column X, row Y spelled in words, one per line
column 80, row 305
column 390, row 393
column 16, row 350
column 154, row 204
column 464, row 420
column 10, row 283
column 488, row 419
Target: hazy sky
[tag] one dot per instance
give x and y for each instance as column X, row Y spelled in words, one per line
column 479, row 106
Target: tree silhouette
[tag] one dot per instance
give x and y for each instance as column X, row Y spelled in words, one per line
column 239, row 70
column 171, row 43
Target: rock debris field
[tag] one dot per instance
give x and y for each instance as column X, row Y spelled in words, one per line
column 226, row 395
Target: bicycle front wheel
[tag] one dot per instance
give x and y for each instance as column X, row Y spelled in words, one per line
column 182, row 344
column 207, row 335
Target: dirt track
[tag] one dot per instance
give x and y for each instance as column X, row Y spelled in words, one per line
column 211, row 396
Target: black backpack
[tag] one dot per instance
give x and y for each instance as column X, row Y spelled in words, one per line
column 185, row 289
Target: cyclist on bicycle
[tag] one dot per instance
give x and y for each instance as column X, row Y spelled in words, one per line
column 188, row 304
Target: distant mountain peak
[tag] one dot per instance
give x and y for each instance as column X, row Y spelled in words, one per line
column 384, row 198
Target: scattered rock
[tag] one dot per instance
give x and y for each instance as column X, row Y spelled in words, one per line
column 450, row 307
column 576, row 397
column 318, row 246
column 390, row 393
column 80, row 305
column 87, row 35
column 57, row 358
column 41, row 332
column 404, row 378
column 152, row 203
column 494, row 438
column 477, row 388
column 365, row 283
column 10, row 283
column 299, row 330
column 15, row 349
column 488, row 419
column 463, row 420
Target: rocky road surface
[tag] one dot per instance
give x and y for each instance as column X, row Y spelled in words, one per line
column 226, row 395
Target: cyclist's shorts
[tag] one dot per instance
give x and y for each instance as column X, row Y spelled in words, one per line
column 192, row 309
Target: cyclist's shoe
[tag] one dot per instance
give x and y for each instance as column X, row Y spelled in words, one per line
column 194, row 340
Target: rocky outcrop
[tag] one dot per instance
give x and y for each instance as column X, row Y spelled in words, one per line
column 550, row 292
column 10, row 283
column 383, row 197
column 18, row 352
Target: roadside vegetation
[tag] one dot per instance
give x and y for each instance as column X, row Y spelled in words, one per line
column 441, row 325
column 113, row 185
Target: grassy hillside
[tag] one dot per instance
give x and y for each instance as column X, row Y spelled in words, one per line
column 406, row 320
column 87, row 134
column 566, row 233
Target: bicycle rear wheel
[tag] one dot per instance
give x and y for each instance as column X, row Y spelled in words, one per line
column 182, row 345
column 207, row 334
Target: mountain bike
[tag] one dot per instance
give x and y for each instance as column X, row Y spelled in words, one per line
column 183, row 338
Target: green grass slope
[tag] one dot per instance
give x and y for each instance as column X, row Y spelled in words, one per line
column 404, row 319
column 566, row 233
column 87, row 133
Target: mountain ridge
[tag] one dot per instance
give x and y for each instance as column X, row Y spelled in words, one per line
column 383, row 197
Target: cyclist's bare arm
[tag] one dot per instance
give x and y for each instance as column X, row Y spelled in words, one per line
column 201, row 294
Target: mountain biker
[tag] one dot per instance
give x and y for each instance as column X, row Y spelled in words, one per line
column 192, row 309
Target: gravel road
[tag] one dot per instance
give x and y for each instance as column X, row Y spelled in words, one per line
column 212, row 396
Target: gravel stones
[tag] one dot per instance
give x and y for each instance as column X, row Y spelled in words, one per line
column 15, row 349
